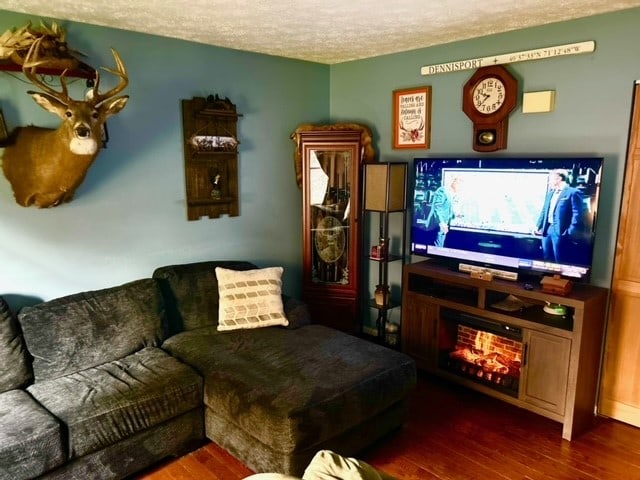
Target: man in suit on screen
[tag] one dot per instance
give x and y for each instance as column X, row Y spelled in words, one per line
column 561, row 220
column 442, row 210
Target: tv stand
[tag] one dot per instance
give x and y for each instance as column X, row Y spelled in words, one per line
column 559, row 371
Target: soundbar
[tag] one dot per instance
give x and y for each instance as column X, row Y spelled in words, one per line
column 485, row 273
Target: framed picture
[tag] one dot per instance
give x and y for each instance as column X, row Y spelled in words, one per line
column 412, row 117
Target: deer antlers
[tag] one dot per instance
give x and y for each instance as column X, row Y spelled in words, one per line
column 29, row 70
column 413, row 134
column 31, row 63
column 120, row 72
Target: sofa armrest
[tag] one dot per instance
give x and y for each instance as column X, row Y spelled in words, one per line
column 296, row 311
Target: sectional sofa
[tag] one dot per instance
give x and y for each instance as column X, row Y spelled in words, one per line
column 102, row 384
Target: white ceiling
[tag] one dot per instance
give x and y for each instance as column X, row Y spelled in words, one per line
column 324, row 31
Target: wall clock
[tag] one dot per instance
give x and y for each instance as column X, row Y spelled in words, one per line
column 488, row 98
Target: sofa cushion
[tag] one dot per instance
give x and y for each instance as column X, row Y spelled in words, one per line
column 15, row 368
column 86, row 329
column 30, row 438
column 191, row 292
column 292, row 389
column 103, row 405
column 250, row 299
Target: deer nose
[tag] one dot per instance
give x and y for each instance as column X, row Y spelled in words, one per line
column 83, row 132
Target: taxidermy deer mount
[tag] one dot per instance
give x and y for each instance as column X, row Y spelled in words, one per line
column 45, row 166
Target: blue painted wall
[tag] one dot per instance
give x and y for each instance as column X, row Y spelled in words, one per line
column 129, row 215
column 591, row 117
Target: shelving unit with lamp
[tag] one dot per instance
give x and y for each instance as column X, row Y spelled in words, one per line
column 385, row 186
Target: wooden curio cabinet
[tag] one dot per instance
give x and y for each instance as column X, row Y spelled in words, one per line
column 210, row 156
column 330, row 169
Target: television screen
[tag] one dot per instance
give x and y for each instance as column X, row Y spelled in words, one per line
column 527, row 215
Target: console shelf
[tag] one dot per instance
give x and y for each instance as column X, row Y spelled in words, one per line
column 560, row 361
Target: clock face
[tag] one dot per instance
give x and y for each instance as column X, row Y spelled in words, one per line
column 489, row 95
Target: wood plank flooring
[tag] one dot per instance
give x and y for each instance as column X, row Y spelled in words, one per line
column 456, row 434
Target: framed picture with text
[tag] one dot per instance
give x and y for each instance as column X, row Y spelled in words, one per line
column 412, row 117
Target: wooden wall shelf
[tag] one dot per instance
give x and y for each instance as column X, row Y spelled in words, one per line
column 210, row 157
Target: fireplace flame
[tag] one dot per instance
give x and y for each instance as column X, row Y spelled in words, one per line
column 483, row 351
column 484, row 341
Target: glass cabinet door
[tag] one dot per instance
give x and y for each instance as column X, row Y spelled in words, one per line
column 330, row 173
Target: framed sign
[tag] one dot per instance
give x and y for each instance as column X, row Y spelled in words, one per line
column 412, row 117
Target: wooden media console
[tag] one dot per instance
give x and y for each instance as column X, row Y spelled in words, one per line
column 552, row 368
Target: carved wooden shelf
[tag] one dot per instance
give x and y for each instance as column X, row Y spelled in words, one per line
column 83, row 70
column 210, row 156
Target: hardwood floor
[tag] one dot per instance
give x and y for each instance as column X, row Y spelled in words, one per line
column 457, row 434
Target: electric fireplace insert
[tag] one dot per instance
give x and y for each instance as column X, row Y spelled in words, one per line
column 481, row 350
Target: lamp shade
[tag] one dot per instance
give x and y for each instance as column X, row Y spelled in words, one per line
column 385, row 186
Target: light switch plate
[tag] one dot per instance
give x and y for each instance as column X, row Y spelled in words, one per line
column 538, row 102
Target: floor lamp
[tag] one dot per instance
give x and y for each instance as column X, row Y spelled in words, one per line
column 385, row 190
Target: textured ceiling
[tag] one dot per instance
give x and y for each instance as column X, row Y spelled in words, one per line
column 325, row 31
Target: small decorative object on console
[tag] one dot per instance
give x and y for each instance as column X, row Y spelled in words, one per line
column 482, row 275
column 555, row 309
column 556, row 284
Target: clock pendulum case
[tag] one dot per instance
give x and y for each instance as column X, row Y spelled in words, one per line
column 331, row 158
column 488, row 98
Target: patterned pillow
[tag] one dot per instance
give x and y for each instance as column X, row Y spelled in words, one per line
column 250, row 298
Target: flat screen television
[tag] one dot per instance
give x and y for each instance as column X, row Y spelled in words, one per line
column 494, row 213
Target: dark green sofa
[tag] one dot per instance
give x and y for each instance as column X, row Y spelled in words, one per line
column 102, row 384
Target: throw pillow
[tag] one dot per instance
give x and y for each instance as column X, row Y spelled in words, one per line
column 250, row 298
column 328, row 465
column 270, row 476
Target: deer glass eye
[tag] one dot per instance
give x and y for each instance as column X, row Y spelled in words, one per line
column 95, row 114
column 68, row 114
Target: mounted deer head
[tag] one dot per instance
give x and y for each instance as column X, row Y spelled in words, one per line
column 46, row 166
